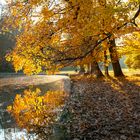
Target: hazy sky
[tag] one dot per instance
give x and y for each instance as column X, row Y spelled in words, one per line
column 2, row 2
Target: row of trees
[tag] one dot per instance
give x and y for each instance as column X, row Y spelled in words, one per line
column 58, row 33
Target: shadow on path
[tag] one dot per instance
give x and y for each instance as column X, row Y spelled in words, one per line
column 106, row 109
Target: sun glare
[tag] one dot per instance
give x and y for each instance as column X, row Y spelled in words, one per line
column 125, row 0
column 2, row 2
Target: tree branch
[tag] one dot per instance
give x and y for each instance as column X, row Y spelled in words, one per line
column 87, row 53
column 100, row 41
column 135, row 16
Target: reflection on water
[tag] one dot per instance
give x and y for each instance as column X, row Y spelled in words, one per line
column 8, row 128
column 12, row 134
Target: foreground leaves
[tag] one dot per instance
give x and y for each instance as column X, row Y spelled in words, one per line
column 104, row 109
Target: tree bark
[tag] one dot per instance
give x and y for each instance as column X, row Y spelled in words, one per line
column 105, row 64
column 82, row 70
column 89, row 68
column 114, row 58
column 106, row 71
column 96, row 70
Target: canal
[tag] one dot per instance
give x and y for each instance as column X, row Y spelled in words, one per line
column 15, row 84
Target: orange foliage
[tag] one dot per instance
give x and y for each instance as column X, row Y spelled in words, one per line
column 34, row 111
column 42, row 25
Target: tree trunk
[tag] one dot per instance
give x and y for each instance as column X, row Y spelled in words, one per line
column 114, row 58
column 105, row 64
column 89, row 68
column 106, row 71
column 82, row 70
column 96, row 70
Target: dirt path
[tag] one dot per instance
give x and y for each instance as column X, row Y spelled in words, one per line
column 106, row 109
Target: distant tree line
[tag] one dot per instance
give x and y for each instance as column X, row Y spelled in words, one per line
column 6, row 44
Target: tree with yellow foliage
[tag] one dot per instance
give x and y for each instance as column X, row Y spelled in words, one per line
column 131, row 50
column 55, row 34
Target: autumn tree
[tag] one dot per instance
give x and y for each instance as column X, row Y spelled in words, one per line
column 131, row 50
column 42, row 45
